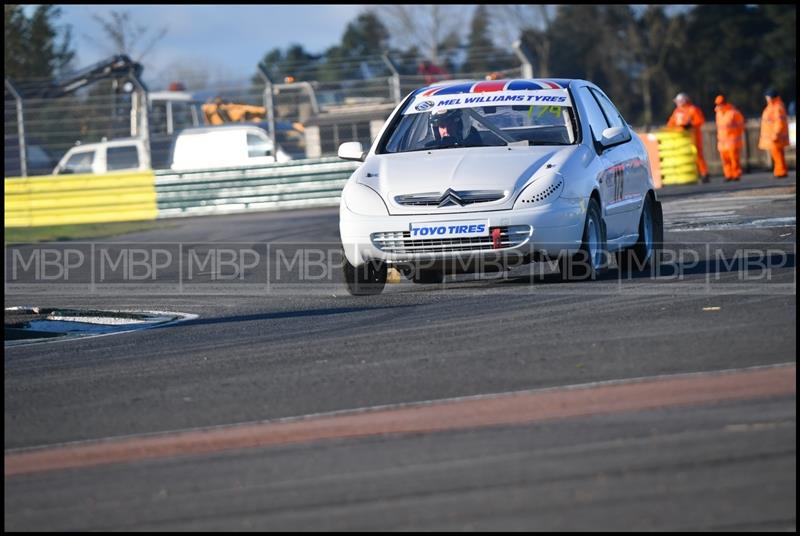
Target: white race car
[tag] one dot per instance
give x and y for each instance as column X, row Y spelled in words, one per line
column 487, row 175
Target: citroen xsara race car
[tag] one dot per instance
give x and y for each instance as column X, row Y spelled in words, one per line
column 488, row 175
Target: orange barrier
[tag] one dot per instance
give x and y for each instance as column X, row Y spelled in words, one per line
column 672, row 156
column 651, row 144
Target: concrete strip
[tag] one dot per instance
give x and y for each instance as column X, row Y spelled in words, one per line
column 503, row 409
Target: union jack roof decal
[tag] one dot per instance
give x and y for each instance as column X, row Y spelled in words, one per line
column 491, row 85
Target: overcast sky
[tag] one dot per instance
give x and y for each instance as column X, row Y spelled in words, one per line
column 227, row 41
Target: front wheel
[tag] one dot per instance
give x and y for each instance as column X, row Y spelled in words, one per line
column 590, row 260
column 646, row 251
column 367, row 279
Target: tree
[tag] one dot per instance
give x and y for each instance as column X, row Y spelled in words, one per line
column 295, row 62
column 34, row 56
column 365, row 36
column 32, row 48
column 479, row 45
column 126, row 37
column 651, row 38
column 726, row 53
column 532, row 23
column 780, row 47
column 424, row 26
column 363, row 39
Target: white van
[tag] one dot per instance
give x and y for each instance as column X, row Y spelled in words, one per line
column 225, row 146
column 126, row 154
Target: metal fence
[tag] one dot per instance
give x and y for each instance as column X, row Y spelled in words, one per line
column 52, row 126
column 298, row 184
column 45, row 129
column 39, row 201
column 328, row 112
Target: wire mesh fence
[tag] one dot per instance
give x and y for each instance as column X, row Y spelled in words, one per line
column 316, row 107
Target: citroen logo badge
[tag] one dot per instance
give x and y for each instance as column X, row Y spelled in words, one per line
column 450, row 198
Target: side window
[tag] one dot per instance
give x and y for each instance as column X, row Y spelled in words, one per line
column 257, row 146
column 79, row 163
column 611, row 113
column 597, row 120
column 122, row 158
column 158, row 117
column 181, row 116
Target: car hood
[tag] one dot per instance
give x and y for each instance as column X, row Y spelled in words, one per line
column 505, row 170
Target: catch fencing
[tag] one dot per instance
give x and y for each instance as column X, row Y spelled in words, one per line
column 297, row 184
column 76, row 199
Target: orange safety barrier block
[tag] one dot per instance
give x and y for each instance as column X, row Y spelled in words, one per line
column 651, row 144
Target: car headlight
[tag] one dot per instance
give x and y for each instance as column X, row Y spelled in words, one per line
column 540, row 191
column 363, row 200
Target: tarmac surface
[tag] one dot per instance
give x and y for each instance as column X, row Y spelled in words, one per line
column 277, row 337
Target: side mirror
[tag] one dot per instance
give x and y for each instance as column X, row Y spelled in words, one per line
column 352, row 150
column 614, row 136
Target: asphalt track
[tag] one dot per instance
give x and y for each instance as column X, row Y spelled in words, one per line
column 267, row 348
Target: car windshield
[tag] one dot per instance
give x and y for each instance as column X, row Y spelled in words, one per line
column 451, row 122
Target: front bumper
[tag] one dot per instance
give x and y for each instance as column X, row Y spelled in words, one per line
column 550, row 229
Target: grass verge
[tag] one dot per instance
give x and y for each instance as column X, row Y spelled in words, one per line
column 56, row 233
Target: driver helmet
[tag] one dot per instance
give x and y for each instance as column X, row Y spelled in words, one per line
column 447, row 118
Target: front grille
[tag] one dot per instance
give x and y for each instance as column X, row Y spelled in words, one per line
column 401, row 242
column 434, row 199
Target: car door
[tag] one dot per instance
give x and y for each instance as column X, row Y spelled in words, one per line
column 633, row 170
column 81, row 161
column 612, row 162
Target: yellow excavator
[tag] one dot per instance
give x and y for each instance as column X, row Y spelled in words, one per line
column 290, row 134
column 219, row 112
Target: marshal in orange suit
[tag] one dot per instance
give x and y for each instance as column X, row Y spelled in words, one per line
column 689, row 117
column 730, row 129
column 775, row 132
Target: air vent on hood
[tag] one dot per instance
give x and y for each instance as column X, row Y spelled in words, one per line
column 538, row 195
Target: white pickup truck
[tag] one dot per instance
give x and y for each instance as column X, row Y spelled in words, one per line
column 227, row 146
column 126, row 154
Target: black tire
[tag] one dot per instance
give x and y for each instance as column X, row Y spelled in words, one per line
column 367, row 279
column 425, row 276
column 646, row 252
column 581, row 266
